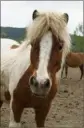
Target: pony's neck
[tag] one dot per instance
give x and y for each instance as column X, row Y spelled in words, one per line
column 21, row 61
column 23, row 54
column 21, row 57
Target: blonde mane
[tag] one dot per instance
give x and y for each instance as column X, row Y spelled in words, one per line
column 45, row 21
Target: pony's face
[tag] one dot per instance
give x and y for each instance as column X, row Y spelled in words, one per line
column 46, row 57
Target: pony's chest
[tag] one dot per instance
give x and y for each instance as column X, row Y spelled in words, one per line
column 24, row 96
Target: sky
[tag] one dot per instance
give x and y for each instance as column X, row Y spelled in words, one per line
column 19, row 13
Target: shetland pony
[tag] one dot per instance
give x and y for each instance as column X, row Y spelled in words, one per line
column 74, row 60
column 29, row 73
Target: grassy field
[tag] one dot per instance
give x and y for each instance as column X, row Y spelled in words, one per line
column 77, row 43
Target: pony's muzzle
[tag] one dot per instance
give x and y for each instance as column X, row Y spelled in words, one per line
column 40, row 87
column 41, row 84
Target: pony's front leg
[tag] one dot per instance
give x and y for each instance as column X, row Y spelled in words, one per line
column 40, row 115
column 15, row 114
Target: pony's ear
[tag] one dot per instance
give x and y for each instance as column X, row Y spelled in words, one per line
column 35, row 14
column 66, row 17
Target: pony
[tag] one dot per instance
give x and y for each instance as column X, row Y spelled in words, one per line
column 29, row 73
column 74, row 60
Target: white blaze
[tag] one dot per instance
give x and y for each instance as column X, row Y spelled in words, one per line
column 44, row 56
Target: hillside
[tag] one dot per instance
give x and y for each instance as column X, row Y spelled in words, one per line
column 18, row 34
column 12, row 33
column 77, row 43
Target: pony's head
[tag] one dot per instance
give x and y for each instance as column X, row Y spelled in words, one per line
column 50, row 43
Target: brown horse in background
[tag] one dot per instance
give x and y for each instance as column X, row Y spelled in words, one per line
column 74, row 60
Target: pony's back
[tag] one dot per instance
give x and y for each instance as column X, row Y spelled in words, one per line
column 75, row 59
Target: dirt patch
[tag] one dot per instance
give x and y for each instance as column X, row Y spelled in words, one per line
column 67, row 110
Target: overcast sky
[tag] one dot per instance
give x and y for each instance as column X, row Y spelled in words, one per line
column 19, row 13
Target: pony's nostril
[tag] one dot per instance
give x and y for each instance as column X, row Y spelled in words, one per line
column 36, row 84
column 47, row 83
column 33, row 81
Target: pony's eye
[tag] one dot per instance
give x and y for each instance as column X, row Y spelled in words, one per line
column 60, row 46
